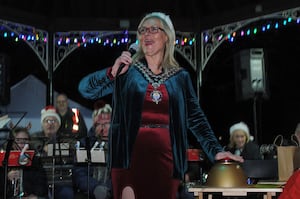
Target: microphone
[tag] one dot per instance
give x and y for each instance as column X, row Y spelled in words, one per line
column 132, row 49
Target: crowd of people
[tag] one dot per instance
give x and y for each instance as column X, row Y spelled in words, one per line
column 94, row 181
column 144, row 134
column 43, row 177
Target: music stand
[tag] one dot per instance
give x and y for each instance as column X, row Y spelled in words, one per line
column 57, row 150
column 10, row 141
column 90, row 155
column 14, row 157
column 195, row 158
column 97, row 156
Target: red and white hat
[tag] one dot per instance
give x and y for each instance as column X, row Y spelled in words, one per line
column 241, row 126
column 49, row 111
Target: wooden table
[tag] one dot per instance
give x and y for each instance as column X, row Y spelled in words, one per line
column 268, row 191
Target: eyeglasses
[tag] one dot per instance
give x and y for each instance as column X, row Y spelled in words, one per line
column 104, row 125
column 22, row 140
column 48, row 121
column 61, row 102
column 152, row 30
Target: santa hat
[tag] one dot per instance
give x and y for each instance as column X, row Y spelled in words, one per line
column 49, row 111
column 241, row 126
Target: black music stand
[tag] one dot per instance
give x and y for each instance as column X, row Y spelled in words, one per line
column 10, row 141
column 13, row 158
column 40, row 143
column 54, row 140
column 90, row 155
column 89, row 161
column 195, row 158
column 57, row 149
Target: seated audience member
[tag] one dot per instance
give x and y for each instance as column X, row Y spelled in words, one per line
column 50, row 122
column 27, row 182
column 98, row 182
column 241, row 144
column 72, row 121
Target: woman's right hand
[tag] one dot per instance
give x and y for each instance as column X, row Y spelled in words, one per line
column 126, row 59
column 227, row 154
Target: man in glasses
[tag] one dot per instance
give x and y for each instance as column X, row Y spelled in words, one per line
column 96, row 181
column 49, row 146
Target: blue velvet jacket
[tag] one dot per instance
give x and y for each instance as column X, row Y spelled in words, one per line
column 128, row 97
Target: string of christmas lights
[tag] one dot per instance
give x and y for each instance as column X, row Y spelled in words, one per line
column 211, row 39
column 20, row 32
column 231, row 32
column 105, row 38
column 262, row 28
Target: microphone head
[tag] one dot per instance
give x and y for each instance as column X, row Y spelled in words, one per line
column 133, row 48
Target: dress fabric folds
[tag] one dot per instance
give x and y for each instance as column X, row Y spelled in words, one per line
column 151, row 168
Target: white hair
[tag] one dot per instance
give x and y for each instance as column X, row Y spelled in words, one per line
column 105, row 109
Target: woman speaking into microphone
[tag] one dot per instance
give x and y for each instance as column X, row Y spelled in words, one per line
column 154, row 107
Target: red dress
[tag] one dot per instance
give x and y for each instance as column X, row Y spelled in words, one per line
column 151, row 168
column 291, row 189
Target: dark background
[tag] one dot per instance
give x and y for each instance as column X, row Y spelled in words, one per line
column 276, row 114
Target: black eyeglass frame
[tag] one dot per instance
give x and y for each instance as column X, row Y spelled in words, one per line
column 151, row 30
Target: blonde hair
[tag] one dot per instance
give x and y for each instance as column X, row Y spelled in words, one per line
column 238, row 126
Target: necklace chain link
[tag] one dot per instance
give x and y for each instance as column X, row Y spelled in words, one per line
column 155, row 80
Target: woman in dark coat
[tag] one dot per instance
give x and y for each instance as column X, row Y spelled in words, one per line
column 154, row 106
column 241, row 142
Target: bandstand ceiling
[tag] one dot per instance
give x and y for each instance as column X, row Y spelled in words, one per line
column 191, row 15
